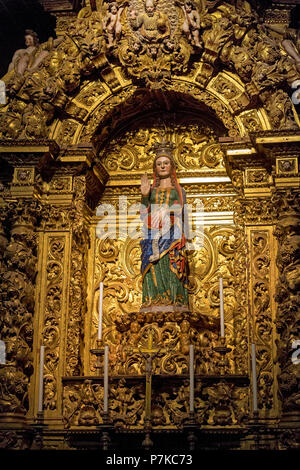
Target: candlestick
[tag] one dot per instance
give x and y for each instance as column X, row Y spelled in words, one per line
column 105, row 405
column 100, row 311
column 222, row 349
column 191, row 378
column 254, row 378
column 41, row 379
column 221, row 308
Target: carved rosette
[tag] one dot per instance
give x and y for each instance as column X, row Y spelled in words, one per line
column 18, row 276
column 66, row 243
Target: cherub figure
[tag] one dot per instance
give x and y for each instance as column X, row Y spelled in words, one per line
column 290, row 41
column 192, row 23
column 30, row 58
column 112, row 24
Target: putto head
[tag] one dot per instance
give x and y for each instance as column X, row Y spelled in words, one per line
column 31, row 38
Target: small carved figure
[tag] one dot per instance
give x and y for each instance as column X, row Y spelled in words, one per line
column 185, row 337
column 134, row 334
column 112, row 24
column 153, row 25
column 122, row 397
column 87, row 415
column 183, row 397
column 192, row 23
column 30, row 58
column 177, row 405
column 157, row 415
column 290, row 41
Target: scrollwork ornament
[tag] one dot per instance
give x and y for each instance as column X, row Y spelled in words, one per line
column 51, row 332
column 18, row 275
column 286, row 208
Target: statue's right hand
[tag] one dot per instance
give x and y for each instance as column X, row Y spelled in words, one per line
column 145, row 185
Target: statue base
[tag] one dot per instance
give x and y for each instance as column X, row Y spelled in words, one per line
column 164, row 309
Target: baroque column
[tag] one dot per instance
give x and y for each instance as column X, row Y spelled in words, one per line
column 45, row 209
column 286, row 202
column 20, row 216
column 70, row 195
column 281, row 151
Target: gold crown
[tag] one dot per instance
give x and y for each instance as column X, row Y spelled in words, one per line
column 163, row 148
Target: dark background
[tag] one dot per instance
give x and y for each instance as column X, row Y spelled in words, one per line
column 15, row 17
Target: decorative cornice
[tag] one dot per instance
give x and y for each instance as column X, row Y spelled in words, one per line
column 29, row 146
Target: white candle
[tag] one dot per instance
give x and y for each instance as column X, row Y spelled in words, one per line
column 105, row 393
column 254, row 377
column 221, row 308
column 191, row 378
column 100, row 311
column 41, row 379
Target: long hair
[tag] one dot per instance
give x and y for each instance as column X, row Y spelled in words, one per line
column 156, row 178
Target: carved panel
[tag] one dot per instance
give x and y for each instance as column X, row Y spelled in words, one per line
column 251, row 120
column 239, row 286
column 77, row 306
column 228, row 89
column 261, row 288
column 60, row 184
column 52, row 311
column 286, row 207
column 82, row 404
column 23, row 176
column 196, row 145
column 255, row 177
column 287, row 166
column 90, row 94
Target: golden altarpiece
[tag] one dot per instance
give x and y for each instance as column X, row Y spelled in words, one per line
column 81, row 114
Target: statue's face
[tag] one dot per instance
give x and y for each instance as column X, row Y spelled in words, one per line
column 163, row 167
column 29, row 41
column 149, row 8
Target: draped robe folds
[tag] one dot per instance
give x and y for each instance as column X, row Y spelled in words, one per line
column 163, row 251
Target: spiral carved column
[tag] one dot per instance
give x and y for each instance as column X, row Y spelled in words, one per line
column 17, row 279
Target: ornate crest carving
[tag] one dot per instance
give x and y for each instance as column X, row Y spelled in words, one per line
column 155, row 37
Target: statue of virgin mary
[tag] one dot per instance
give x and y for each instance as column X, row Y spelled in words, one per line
column 164, row 267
